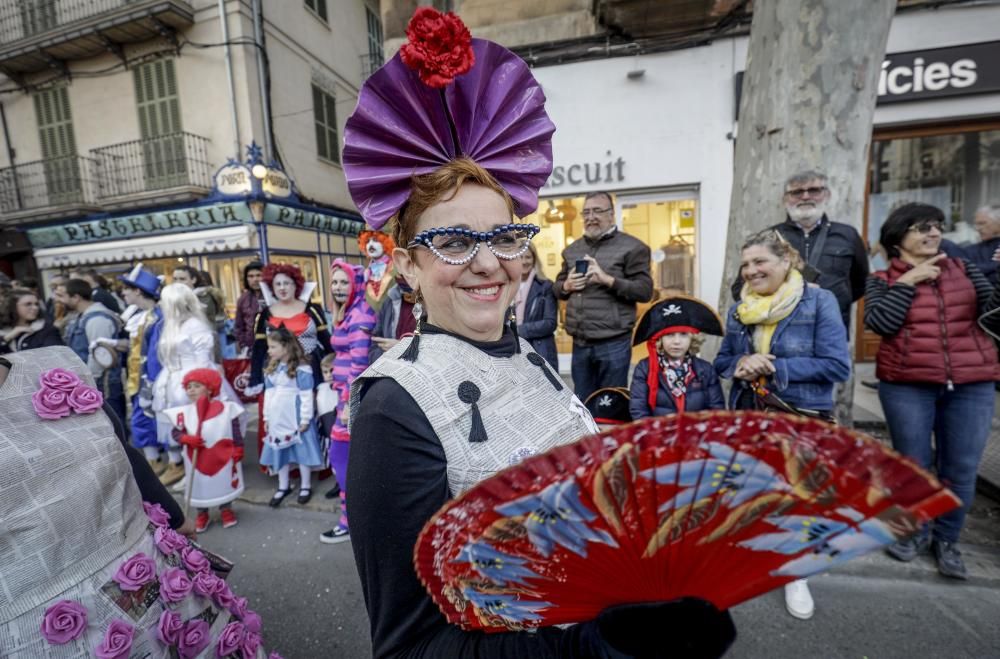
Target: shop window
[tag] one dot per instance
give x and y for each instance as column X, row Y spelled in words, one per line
column 325, row 118
column 957, row 171
column 317, row 7
column 665, row 221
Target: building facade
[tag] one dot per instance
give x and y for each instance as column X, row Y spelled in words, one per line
column 124, row 111
column 652, row 117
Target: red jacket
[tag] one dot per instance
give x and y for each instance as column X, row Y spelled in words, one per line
column 940, row 341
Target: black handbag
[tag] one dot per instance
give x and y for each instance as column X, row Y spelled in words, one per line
column 757, row 396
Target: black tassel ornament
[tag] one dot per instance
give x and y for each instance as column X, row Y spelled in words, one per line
column 469, row 394
column 512, row 320
column 412, row 350
column 539, row 361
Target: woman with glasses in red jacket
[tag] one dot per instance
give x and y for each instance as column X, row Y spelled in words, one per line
column 935, row 365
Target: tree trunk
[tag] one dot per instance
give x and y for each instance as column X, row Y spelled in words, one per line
column 808, row 99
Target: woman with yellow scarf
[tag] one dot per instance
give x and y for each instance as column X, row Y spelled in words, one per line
column 788, row 337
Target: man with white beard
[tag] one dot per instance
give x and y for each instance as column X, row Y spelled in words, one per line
column 835, row 250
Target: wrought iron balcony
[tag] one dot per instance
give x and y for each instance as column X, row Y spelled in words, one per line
column 57, row 183
column 38, row 34
column 178, row 160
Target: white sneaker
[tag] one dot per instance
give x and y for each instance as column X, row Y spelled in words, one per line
column 798, row 599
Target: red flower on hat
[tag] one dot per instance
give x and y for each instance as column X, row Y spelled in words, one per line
column 439, row 48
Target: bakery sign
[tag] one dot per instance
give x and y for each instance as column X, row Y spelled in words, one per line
column 954, row 71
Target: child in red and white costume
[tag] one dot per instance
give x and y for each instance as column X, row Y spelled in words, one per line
column 209, row 430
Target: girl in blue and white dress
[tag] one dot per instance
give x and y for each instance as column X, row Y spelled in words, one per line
column 289, row 432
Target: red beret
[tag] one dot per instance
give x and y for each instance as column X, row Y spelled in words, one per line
column 206, row 376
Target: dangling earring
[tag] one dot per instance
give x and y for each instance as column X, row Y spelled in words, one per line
column 412, row 350
column 512, row 321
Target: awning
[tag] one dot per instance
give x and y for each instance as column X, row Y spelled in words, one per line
column 135, row 249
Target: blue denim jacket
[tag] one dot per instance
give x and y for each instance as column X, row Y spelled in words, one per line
column 810, row 347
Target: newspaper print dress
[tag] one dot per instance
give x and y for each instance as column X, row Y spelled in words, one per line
column 524, row 406
column 70, row 515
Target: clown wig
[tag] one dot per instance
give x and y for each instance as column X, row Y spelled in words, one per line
column 388, row 244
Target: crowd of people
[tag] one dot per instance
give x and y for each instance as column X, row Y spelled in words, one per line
column 153, row 346
column 390, row 381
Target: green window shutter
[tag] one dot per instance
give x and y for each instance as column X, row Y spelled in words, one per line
column 158, row 105
column 55, row 124
column 60, row 166
column 157, row 99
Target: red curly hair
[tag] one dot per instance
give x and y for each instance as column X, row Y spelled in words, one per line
column 388, row 244
column 272, row 270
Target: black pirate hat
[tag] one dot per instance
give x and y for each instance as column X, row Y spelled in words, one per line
column 679, row 313
column 609, row 405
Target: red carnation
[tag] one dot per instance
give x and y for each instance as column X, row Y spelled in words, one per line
column 440, row 47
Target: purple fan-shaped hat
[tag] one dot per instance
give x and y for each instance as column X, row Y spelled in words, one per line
column 402, row 127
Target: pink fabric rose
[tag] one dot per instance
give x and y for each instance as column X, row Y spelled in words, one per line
column 194, row 638
column 175, row 585
column 224, row 598
column 207, row 584
column 252, row 622
column 117, row 641
column 230, row 640
column 251, row 643
column 239, row 607
column 59, row 379
column 64, row 621
column 168, row 629
column 274, row 655
column 194, row 560
column 85, row 400
column 136, row 572
column 50, row 403
column 156, row 514
column 169, row 541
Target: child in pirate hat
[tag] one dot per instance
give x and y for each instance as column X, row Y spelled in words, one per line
column 672, row 379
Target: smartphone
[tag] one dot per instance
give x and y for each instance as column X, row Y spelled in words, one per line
column 580, row 267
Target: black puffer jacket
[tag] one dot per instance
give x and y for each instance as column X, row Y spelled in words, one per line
column 842, row 265
column 597, row 312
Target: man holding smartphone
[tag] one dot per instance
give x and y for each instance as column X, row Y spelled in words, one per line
column 603, row 276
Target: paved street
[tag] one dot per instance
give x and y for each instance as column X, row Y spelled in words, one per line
column 310, row 598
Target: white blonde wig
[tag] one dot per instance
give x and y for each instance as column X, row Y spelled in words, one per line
column 178, row 304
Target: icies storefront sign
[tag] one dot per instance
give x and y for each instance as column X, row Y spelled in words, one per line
column 954, row 71
column 938, row 73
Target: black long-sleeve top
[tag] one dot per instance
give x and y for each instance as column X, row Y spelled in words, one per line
column 150, row 488
column 397, row 480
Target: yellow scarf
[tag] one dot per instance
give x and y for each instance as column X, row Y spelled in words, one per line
column 766, row 311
